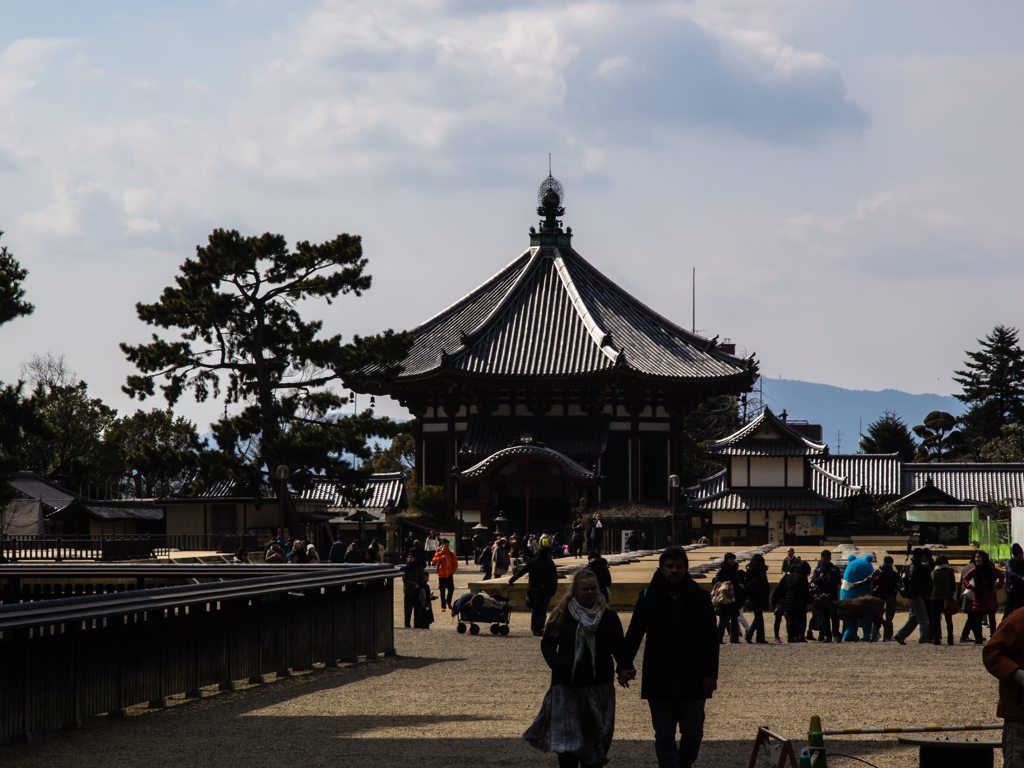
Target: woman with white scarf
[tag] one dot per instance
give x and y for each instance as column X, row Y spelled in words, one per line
column 582, row 639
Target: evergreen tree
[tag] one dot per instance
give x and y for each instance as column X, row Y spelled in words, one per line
column 19, row 415
column 400, row 456
column 993, row 385
column 235, row 306
column 888, row 434
column 939, row 437
column 713, row 419
column 12, row 294
column 69, row 453
column 149, row 455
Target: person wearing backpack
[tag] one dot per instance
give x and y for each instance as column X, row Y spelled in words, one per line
column 885, row 585
column 919, row 588
column 727, row 597
column 486, row 561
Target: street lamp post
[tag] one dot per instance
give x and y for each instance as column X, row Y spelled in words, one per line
column 673, row 481
column 282, row 475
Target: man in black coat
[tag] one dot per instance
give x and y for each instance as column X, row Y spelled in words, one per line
column 827, row 579
column 919, row 587
column 542, row 578
column 337, row 552
column 680, row 658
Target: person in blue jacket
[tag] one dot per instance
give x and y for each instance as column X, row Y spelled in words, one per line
column 857, row 583
column 1014, row 580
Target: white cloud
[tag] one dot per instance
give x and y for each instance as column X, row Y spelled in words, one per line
column 901, row 234
column 23, row 61
column 61, row 218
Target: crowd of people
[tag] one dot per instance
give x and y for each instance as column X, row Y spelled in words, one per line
column 935, row 589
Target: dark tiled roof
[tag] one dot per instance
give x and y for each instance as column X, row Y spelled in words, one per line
column 982, row 483
column 709, row 486
column 228, row 489
column 111, row 511
column 744, row 442
column 382, row 489
column 31, row 486
column 571, row 467
column 551, row 314
column 841, row 476
column 791, row 499
column 572, row 435
column 124, row 513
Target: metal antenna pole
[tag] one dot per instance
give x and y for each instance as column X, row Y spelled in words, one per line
column 693, row 301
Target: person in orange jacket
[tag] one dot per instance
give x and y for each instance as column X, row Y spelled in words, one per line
column 447, row 564
column 1004, row 658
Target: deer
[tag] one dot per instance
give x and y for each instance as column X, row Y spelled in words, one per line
column 853, row 609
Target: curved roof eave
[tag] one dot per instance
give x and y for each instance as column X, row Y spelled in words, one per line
column 570, row 467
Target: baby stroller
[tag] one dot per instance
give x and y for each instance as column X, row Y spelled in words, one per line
column 474, row 607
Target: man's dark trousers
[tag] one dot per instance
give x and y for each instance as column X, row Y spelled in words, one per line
column 539, row 616
column 688, row 714
column 828, row 623
column 410, row 605
column 1013, row 602
column 446, row 588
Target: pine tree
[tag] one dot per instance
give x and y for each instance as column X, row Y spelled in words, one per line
column 993, row 385
column 235, row 308
column 888, row 434
column 939, row 437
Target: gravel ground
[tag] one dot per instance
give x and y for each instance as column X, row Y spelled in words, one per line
column 460, row 700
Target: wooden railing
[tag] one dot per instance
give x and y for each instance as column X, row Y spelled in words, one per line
column 62, row 661
column 120, row 547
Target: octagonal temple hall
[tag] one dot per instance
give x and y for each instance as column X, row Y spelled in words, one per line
column 549, row 383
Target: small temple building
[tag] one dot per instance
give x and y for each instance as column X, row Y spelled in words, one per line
column 781, row 485
column 548, row 384
column 765, row 494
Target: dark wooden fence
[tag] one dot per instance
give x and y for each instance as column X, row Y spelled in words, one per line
column 120, row 547
column 31, row 581
column 64, row 660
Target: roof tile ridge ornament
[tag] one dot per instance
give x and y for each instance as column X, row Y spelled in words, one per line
column 599, row 335
column 841, row 479
column 550, row 196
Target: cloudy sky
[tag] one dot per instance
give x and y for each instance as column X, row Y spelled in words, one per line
column 845, row 176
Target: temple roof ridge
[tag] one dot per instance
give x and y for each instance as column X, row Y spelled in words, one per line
column 750, row 429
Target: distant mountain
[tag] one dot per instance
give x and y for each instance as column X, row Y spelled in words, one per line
column 843, row 413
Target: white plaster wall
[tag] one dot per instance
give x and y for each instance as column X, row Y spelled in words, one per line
column 739, row 471
column 796, row 471
column 767, row 471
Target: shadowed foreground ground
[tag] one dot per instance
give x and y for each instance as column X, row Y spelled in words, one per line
column 459, row 700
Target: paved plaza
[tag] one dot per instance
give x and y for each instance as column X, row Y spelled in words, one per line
column 460, row 700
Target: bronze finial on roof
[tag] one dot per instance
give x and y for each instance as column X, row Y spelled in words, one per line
column 550, row 196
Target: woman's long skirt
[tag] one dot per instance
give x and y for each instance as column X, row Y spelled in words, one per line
column 577, row 720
